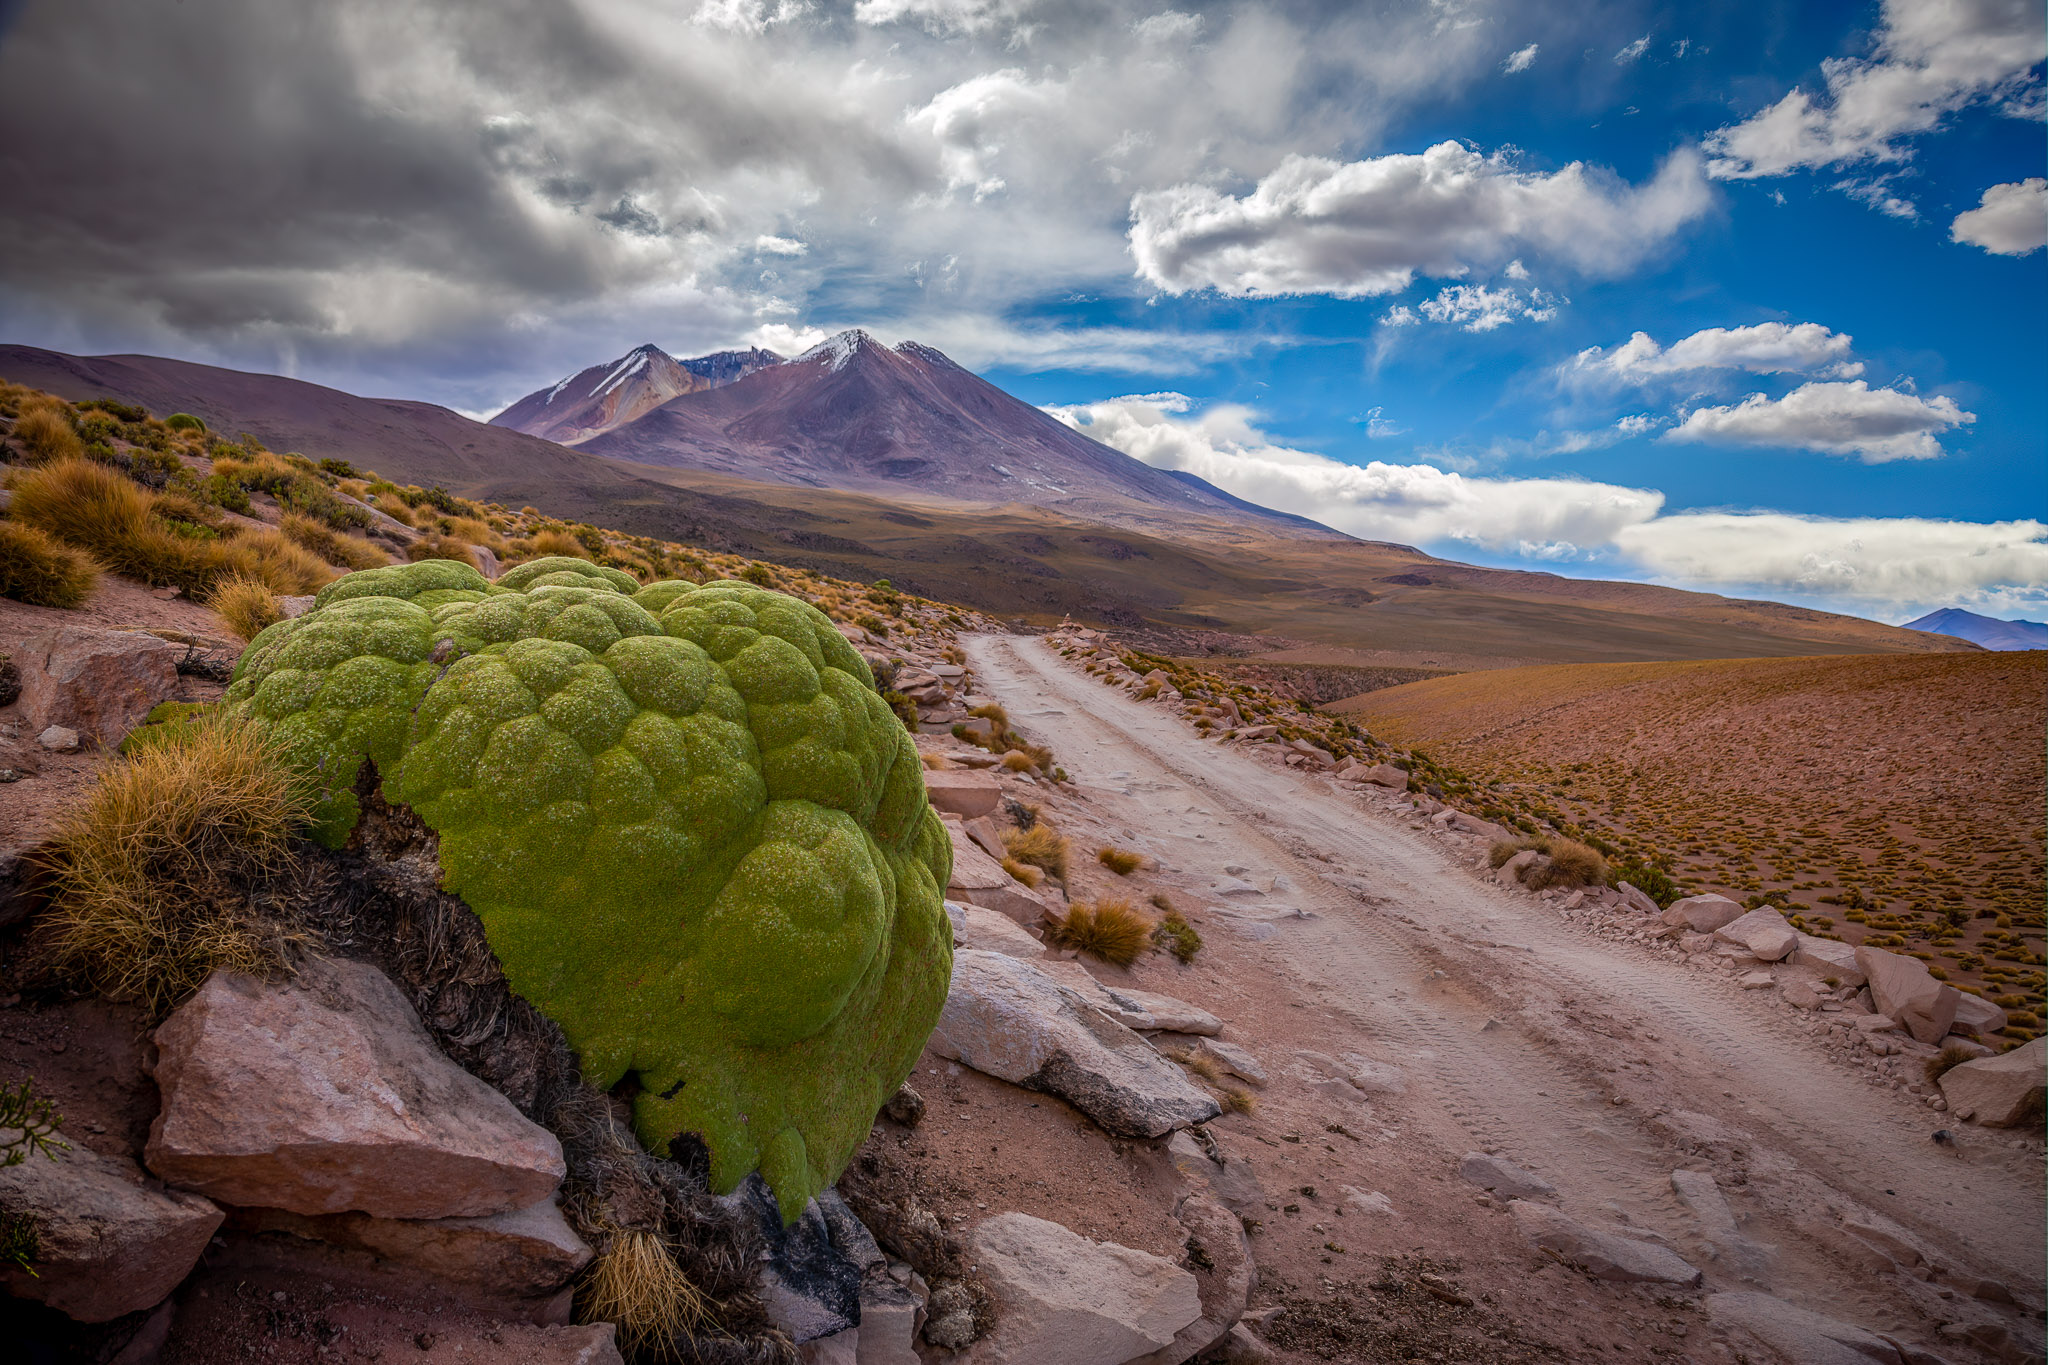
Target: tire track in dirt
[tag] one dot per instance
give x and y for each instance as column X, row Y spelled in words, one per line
column 1419, row 953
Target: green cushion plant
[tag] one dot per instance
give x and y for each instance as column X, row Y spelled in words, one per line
column 696, row 835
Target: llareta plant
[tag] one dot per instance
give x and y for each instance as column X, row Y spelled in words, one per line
column 695, row 833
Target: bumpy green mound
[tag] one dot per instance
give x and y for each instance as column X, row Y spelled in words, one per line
column 696, row 835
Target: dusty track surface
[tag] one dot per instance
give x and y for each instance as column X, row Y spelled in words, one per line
column 1598, row 1064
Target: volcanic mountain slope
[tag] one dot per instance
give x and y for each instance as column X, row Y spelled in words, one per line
column 906, row 422
column 594, row 401
column 1988, row 631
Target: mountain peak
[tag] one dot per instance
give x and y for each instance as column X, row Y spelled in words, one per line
column 1986, row 631
column 840, row 347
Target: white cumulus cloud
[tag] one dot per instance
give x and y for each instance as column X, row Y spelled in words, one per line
column 1479, row 308
column 1877, row 425
column 1765, row 348
column 1632, row 51
column 2011, row 220
column 1932, row 57
column 1521, row 59
column 1360, row 228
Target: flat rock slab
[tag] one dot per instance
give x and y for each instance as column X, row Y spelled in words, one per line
column 1603, row 1255
column 1010, row 1019
column 325, row 1095
column 1902, row 987
column 1503, row 1177
column 1799, row 1333
column 1065, row 1298
column 992, row 931
column 973, row 868
column 1224, row 1282
column 962, row 791
column 1703, row 914
column 1701, row 1193
column 526, row 1254
column 1768, row 935
column 100, row 683
column 109, row 1240
column 1998, row 1091
column 1830, row 957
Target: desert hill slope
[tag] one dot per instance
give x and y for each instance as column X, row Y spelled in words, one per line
column 1879, row 795
column 1331, row 598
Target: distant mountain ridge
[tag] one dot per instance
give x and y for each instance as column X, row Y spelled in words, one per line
column 855, row 414
column 1988, row 631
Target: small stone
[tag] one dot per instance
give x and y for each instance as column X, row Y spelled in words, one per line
column 1503, row 1177
column 59, row 739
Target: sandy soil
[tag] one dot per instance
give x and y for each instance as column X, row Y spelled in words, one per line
column 1600, row 1065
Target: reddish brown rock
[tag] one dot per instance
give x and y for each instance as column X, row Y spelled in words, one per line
column 527, row 1254
column 109, row 1241
column 963, row 792
column 325, row 1095
column 101, row 683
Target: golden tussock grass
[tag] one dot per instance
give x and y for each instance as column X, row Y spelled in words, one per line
column 1238, row 1100
column 550, row 541
column 1197, row 1064
column 1023, row 872
column 1121, row 861
column 45, row 432
column 437, row 546
column 637, row 1284
column 1018, row 762
column 1109, row 930
column 1572, row 864
column 1946, row 1060
column 150, row 875
column 336, row 547
column 40, row 570
column 246, row 604
column 290, row 569
column 1041, row 846
column 937, row 763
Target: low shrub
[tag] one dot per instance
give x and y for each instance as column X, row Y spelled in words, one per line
column 1173, row 933
column 246, row 604
column 1108, row 930
column 42, row 571
column 150, row 877
column 1041, row 846
column 1017, row 761
column 345, row 551
column 1653, row 882
column 1946, row 1060
column 550, row 540
column 1572, row 864
column 1238, row 1100
column 45, row 432
column 1121, row 861
column 759, row 574
column 437, row 546
column 185, row 421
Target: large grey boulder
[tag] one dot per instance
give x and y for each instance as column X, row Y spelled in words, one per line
column 1703, row 914
column 1065, row 1298
column 1764, row 932
column 100, row 683
column 1976, row 1016
column 1998, row 1091
column 325, row 1095
column 1800, row 1334
column 1902, row 988
column 1829, row 957
column 1603, row 1255
column 108, row 1240
column 1014, row 1021
column 974, row 927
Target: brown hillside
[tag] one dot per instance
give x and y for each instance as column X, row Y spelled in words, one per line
column 1891, row 798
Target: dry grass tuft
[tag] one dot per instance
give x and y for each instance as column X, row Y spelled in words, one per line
column 1238, row 1100
column 150, row 877
column 286, row 567
column 1108, row 930
column 1018, row 762
column 1198, row 1064
column 246, row 604
column 550, row 541
column 1042, row 846
column 1121, row 861
column 637, row 1284
column 994, row 712
column 434, row 545
column 336, row 547
column 1572, row 864
column 1947, row 1059
column 40, row 570
column 937, row 763
column 1173, row 932
column 1023, row 872
column 45, row 432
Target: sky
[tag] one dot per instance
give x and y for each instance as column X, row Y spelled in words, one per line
column 1741, row 297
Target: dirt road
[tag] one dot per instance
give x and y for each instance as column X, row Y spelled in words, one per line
column 1600, row 1065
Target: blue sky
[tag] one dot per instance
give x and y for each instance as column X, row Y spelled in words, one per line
column 1383, row 265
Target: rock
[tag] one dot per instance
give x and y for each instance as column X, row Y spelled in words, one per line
column 1874, row 1023
column 1232, row 1058
column 1067, row 1299
column 975, row 927
column 1696, row 943
column 962, row 792
column 1452, row 818
column 1802, row 996
column 1510, row 872
column 1799, row 1334
column 1370, row 1202
column 1225, row 1178
column 1703, row 914
column 1764, row 932
column 979, row 880
column 1374, row 1078
column 1153, row 1012
column 984, row 832
column 1504, row 1178
column 1603, row 1255
column 1386, row 775
column 59, row 739
column 1240, row 1347
column 1830, row 957
column 528, row 1253
column 890, row 1314
column 295, row 607
column 812, row 1272
column 1902, row 988
column 1635, row 899
column 109, row 1241
column 1007, row 1018
column 1976, row 1016
column 1700, row 1193
column 101, row 683
column 1998, row 1091
column 1220, row 1258
column 326, row 1095
column 1233, row 886
column 1758, row 980
column 841, row 1348
column 906, row 1106
column 950, row 1324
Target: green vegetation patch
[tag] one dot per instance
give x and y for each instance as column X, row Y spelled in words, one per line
column 696, row 834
